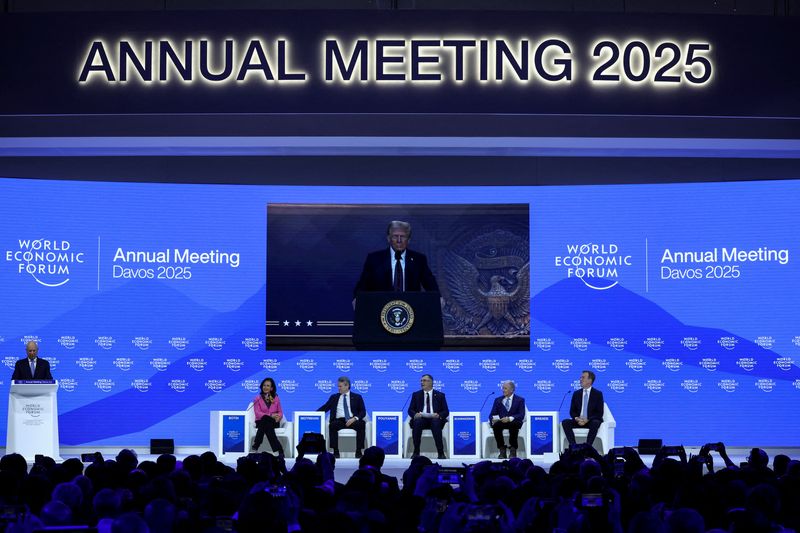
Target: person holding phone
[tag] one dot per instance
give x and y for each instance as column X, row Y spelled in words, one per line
column 268, row 414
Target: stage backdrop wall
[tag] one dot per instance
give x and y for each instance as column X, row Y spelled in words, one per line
column 150, row 301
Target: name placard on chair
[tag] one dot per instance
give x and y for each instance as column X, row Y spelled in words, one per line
column 387, row 431
column 543, row 432
column 308, row 422
column 230, row 433
column 465, row 430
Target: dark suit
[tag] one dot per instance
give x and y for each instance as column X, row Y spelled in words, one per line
column 379, row 267
column 357, row 409
column 438, row 406
column 22, row 369
column 517, row 411
column 594, row 412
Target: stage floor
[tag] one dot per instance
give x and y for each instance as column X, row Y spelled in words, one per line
column 395, row 467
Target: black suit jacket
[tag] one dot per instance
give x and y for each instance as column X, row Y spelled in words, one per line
column 356, row 405
column 438, row 404
column 594, row 409
column 377, row 273
column 22, row 369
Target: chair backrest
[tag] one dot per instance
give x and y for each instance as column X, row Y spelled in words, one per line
column 608, row 417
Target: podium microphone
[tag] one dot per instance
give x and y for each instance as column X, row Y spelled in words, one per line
column 564, row 398
column 485, row 400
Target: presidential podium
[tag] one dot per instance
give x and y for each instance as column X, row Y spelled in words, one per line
column 398, row 321
column 33, row 419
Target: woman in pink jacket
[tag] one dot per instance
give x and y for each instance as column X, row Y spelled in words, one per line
column 268, row 414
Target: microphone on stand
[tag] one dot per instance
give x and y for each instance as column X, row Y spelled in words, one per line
column 485, row 400
column 406, row 403
column 564, row 398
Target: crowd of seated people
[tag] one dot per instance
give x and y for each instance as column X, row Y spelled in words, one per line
column 582, row 492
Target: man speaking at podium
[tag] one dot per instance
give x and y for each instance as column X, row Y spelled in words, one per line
column 32, row 367
column 398, row 268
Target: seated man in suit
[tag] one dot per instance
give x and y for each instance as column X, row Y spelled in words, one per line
column 428, row 410
column 508, row 412
column 398, row 268
column 585, row 410
column 32, row 367
column 346, row 411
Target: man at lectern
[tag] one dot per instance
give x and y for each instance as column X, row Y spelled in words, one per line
column 347, row 411
column 398, row 268
column 32, row 367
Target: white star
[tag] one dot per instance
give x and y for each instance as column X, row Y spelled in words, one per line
column 285, row 322
column 309, row 323
column 296, row 322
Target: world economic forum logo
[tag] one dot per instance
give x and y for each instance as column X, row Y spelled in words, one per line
column 563, row 365
column 691, row 385
column 68, row 341
column 362, row 385
column 599, row 364
column 654, row 343
column 179, row 343
column 307, row 364
column 746, row 363
column 398, row 385
column 672, row 363
column 597, row 265
column 580, row 343
column 784, row 363
column 123, row 363
column 343, row 365
column 159, row 363
column 526, row 365
column 105, row 384
column 250, row 385
column 544, row 385
column 544, row 343
column 105, row 342
column 324, row 385
column 453, row 365
column 270, row 364
column 417, row 365
column 86, row 363
column 48, row 261
column 142, row 342
column 471, row 385
column 178, row 385
column 709, row 363
column 380, row 365
column 617, row 385
column 636, row 364
column 289, row 385
column 234, row 364
column 214, row 385
column 252, row 343
column 68, row 384
column 142, row 385
column 198, row 364
column 728, row 385
column 765, row 384
column 654, row 385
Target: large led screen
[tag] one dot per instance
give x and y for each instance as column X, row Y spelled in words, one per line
column 150, row 301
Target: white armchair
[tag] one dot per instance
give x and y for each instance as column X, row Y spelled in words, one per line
column 605, row 434
column 348, row 437
column 284, row 434
column 490, row 450
column 426, row 444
